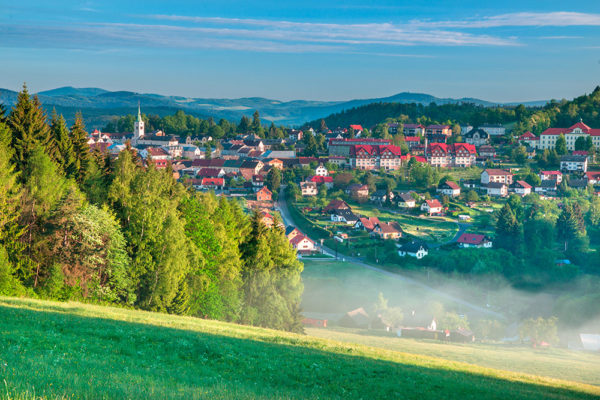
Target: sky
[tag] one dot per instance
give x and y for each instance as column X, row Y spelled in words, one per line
column 502, row 51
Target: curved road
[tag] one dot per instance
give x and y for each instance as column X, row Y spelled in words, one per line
column 287, row 220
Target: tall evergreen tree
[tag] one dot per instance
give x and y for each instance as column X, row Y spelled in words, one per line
column 81, row 149
column 27, row 122
column 64, row 154
column 568, row 225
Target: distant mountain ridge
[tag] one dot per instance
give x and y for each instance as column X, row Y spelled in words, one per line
column 99, row 105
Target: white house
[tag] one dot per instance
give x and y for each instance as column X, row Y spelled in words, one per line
column 192, row 152
column 432, row 206
column 321, row 171
column 494, row 129
column 498, row 189
column 551, row 175
column 303, row 244
column 573, row 163
column 308, row 188
column 496, row 175
column 522, row 188
column 413, row 249
column 449, row 188
column 477, row 137
column 344, row 216
column 405, row 200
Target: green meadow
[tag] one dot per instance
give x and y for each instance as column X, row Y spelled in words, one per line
column 51, row 350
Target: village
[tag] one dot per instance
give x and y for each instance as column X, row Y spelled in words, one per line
column 366, row 197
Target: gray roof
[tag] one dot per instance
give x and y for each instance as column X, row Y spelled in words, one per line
column 414, row 246
column 572, row 158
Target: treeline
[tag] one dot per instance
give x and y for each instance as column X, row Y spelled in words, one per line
column 76, row 224
column 182, row 124
column 371, row 114
column 563, row 114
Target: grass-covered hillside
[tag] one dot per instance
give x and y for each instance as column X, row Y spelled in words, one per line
column 69, row 350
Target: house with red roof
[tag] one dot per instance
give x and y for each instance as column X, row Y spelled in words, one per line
column 491, row 175
column 322, row 180
column 521, row 188
column 451, row 155
column 368, row 224
column 572, row 133
column 357, row 128
column 551, row 175
column 212, row 183
column 369, row 157
column 529, row 139
column 387, row 230
column 303, row 244
column 412, row 141
column 438, row 130
column 264, row 194
column 413, row 130
column 474, row 240
column 449, row 188
column 432, row 207
column 335, row 205
column 593, row 177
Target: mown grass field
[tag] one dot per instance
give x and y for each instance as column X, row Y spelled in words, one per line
column 71, row 350
column 558, row 363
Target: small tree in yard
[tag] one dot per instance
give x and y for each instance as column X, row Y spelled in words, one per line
column 472, row 196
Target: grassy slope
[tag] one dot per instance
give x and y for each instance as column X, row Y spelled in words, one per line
column 84, row 351
column 553, row 363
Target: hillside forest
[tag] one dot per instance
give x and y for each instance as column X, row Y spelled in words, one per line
column 76, row 224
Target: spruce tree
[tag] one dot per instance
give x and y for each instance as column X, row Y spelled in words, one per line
column 81, row 149
column 27, row 122
column 567, row 225
column 64, row 154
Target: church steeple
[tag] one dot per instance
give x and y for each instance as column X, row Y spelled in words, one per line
column 138, row 131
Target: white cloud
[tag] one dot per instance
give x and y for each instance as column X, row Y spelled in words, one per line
column 558, row 18
column 371, row 33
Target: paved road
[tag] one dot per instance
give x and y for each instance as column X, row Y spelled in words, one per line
column 287, row 220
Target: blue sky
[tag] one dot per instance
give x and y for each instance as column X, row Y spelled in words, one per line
column 323, row 50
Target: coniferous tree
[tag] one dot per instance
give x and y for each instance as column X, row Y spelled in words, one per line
column 27, row 122
column 507, row 228
column 567, row 226
column 244, row 125
column 64, row 154
column 81, row 149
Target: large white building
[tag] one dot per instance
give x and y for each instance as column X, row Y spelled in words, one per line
column 494, row 129
column 549, row 136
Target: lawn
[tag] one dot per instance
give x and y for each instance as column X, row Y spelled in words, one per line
column 52, row 350
column 432, row 229
column 553, row 363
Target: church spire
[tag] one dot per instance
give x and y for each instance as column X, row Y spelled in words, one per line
column 138, row 125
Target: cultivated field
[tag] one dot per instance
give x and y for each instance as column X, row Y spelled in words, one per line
column 54, row 350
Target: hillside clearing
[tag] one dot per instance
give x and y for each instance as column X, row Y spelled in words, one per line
column 72, row 350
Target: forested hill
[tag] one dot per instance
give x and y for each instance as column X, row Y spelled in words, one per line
column 562, row 113
column 372, row 114
column 565, row 113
